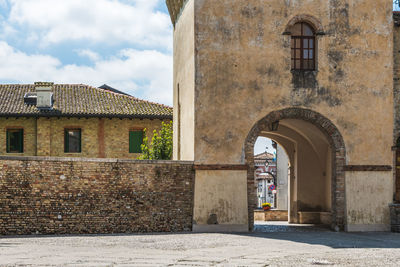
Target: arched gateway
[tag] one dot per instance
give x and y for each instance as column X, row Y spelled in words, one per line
column 338, row 157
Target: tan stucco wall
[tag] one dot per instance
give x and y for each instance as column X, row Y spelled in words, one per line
column 223, row 188
column 243, row 73
column 368, row 195
column 100, row 137
column 184, row 74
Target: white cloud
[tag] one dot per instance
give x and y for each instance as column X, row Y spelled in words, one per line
column 109, row 21
column 89, row 54
column 122, row 71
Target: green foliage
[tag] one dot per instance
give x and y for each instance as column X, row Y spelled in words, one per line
column 160, row 147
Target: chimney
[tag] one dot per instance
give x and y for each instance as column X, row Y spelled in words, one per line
column 44, row 95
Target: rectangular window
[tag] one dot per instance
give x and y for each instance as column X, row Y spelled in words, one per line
column 72, row 141
column 302, row 54
column 135, row 141
column 15, row 141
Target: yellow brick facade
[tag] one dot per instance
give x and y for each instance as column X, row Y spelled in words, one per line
column 29, row 126
column 100, row 137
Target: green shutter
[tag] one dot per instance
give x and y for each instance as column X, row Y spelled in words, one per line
column 21, row 141
column 66, row 141
column 135, row 141
column 80, row 141
column 17, row 146
column 8, row 142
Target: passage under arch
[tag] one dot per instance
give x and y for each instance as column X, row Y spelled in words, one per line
column 338, row 153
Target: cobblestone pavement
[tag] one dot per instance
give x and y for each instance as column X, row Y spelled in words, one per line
column 304, row 246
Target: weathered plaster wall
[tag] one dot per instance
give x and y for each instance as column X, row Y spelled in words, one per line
column 282, row 178
column 224, row 188
column 41, row 195
column 368, row 195
column 184, row 82
column 101, row 138
column 243, row 73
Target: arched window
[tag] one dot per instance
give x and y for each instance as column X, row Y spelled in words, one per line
column 303, row 47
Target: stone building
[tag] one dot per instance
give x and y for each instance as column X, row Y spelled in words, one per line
column 77, row 120
column 265, row 176
column 317, row 77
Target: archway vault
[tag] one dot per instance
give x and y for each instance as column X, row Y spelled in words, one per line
column 335, row 140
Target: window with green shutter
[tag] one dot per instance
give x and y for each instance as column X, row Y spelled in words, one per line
column 15, row 141
column 72, row 141
column 135, row 141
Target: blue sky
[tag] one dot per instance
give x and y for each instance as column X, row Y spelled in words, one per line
column 126, row 44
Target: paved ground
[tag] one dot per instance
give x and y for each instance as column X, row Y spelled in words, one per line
column 286, row 246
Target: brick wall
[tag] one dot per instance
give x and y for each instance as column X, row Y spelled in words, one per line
column 41, row 195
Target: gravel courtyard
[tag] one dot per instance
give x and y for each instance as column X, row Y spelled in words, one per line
column 281, row 247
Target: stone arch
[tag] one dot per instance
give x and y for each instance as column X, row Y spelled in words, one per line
column 335, row 140
column 313, row 21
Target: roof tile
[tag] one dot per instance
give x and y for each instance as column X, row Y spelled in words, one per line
column 78, row 100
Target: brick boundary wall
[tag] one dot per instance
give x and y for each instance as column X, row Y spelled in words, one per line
column 40, row 195
column 338, row 158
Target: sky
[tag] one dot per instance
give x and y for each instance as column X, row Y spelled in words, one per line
column 263, row 144
column 126, row 44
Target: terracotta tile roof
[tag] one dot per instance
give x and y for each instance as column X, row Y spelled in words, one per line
column 264, row 156
column 78, row 100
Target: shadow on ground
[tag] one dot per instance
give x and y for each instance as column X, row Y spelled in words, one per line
column 322, row 235
column 306, row 234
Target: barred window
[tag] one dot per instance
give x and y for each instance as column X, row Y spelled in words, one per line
column 303, row 47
